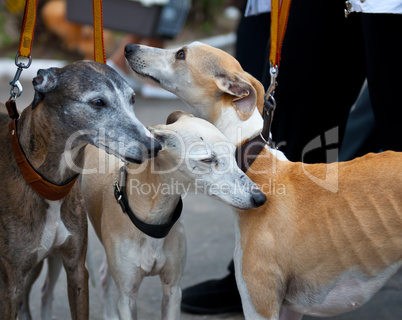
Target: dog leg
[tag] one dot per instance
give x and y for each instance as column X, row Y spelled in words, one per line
column 171, row 301
column 77, row 282
column 10, row 299
column 109, row 308
column 24, row 313
column 54, row 268
column 128, row 291
column 170, row 277
column 128, row 277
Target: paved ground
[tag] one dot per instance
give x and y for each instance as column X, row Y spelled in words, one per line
column 210, row 238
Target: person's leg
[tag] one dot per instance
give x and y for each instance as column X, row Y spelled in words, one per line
column 361, row 134
column 320, row 76
column 383, row 42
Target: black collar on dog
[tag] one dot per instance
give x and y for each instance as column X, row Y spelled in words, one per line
column 153, row 230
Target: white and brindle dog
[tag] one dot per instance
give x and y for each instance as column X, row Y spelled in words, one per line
column 82, row 103
column 331, row 238
column 195, row 156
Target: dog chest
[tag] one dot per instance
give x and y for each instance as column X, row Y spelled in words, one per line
column 54, row 232
column 349, row 291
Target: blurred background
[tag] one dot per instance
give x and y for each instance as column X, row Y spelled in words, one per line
column 60, row 38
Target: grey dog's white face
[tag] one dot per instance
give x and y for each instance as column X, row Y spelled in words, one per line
column 200, row 156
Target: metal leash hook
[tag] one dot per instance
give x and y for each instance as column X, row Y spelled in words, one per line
column 273, row 71
column 269, row 105
column 15, row 83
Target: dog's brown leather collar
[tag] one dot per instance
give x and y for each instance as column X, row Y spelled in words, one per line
column 44, row 188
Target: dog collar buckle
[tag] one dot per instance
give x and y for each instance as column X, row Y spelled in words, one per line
column 118, row 195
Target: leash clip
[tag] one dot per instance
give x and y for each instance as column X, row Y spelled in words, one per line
column 269, row 105
column 269, row 108
column 273, row 71
column 118, row 194
column 15, row 83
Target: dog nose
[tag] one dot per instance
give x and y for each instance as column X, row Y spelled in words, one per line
column 129, row 48
column 153, row 152
column 259, row 197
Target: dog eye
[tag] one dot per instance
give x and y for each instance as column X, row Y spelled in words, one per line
column 208, row 161
column 133, row 98
column 98, row 103
column 180, row 55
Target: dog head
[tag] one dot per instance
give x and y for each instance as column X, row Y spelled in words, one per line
column 90, row 103
column 198, row 155
column 206, row 78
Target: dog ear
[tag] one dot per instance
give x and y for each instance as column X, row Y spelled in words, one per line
column 258, row 87
column 45, row 81
column 244, row 95
column 175, row 115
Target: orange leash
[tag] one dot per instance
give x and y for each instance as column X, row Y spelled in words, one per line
column 28, row 28
column 27, row 36
column 279, row 19
column 25, row 46
column 99, row 45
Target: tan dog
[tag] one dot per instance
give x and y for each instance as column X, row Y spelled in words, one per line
column 329, row 236
column 195, row 156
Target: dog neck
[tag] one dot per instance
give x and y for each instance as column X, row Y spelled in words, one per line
column 44, row 149
column 153, row 196
column 237, row 130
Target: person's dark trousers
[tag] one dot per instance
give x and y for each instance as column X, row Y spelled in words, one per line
column 252, row 40
column 383, row 43
column 320, row 76
column 325, row 59
column 361, row 134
